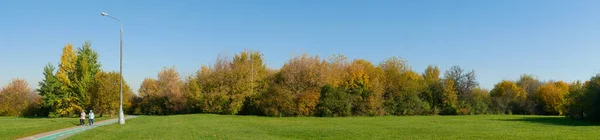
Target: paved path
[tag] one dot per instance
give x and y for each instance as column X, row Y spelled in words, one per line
column 64, row 133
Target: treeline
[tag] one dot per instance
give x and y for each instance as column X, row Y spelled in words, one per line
column 311, row 86
column 78, row 84
column 304, row 86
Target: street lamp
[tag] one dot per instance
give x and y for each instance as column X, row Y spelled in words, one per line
column 121, row 115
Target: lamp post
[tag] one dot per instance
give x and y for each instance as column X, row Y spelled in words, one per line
column 121, row 115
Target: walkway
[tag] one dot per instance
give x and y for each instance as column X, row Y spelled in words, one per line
column 64, row 133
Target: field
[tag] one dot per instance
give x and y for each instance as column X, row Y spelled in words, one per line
column 18, row 127
column 208, row 126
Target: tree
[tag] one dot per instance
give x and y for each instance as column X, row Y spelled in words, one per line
column 448, row 98
column 247, row 73
column 363, row 83
column 68, row 104
column 574, row 102
column 551, row 96
column 50, row 91
column 302, row 77
column 105, row 93
column 334, row 102
column 530, row 84
column 215, row 83
column 464, row 82
column 402, row 89
column 591, row 99
column 170, row 87
column 335, row 72
column 86, row 67
column 16, row 97
column 434, row 87
column 193, row 94
column 508, row 97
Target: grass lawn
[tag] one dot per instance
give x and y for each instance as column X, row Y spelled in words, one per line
column 18, row 127
column 208, row 126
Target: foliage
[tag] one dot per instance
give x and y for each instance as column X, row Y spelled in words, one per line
column 334, row 102
column 508, row 97
column 67, row 91
column 304, row 86
column 530, row 84
column 17, row 98
column 105, row 93
column 551, row 97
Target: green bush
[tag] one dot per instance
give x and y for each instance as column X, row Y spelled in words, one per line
column 334, row 102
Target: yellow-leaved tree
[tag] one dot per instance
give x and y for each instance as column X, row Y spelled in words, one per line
column 551, row 95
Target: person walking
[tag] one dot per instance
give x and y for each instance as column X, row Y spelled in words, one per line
column 91, row 119
column 82, row 118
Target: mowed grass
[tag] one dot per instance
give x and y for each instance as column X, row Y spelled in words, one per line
column 19, row 127
column 208, row 126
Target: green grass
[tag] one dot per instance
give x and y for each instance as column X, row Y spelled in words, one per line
column 207, row 126
column 18, row 127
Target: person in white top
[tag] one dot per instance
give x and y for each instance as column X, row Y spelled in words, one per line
column 91, row 120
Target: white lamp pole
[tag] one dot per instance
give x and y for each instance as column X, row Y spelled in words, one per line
column 121, row 115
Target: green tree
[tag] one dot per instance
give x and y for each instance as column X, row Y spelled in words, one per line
column 86, row 67
column 575, row 101
column 50, row 91
column 334, row 102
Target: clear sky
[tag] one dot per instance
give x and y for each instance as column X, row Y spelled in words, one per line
column 500, row 40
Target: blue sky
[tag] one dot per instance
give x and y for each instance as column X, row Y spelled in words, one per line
column 500, row 40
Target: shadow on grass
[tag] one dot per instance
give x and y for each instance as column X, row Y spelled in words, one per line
column 563, row 121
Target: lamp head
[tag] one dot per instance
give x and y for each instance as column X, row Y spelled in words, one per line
column 103, row 14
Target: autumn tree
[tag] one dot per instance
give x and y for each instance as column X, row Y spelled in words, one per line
column 247, row 73
column 302, row 77
column 151, row 102
column 106, row 91
column 170, row 87
column 66, row 92
column 402, row 89
column 193, row 94
column 508, row 97
column 433, row 93
column 364, row 84
column 215, row 84
column 16, row 98
column 551, row 96
column 530, row 84
column 69, row 102
column 448, row 100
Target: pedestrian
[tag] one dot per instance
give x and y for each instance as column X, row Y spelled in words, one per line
column 91, row 119
column 82, row 118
